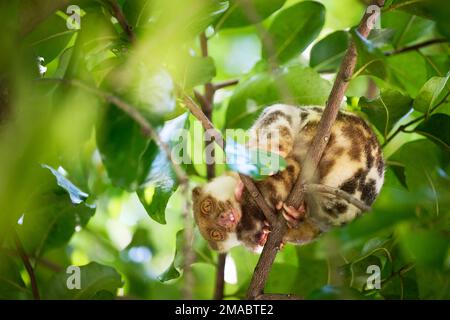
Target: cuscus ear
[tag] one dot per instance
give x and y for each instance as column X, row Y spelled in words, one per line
column 196, row 192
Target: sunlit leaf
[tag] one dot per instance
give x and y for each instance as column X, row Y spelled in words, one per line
column 386, row 110
column 293, row 29
column 429, row 93
column 327, row 54
column 242, row 13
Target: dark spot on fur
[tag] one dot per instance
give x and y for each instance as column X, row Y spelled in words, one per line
column 368, row 192
column 369, row 156
column 325, row 167
column 271, row 117
column 340, row 207
column 380, row 165
column 354, row 182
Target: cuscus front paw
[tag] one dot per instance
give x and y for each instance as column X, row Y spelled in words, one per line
column 263, row 235
column 292, row 215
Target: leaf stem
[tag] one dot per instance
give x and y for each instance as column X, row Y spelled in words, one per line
column 26, row 262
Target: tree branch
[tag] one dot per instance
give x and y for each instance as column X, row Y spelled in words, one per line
column 218, row 138
column 26, row 262
column 118, row 14
column 416, row 46
column 312, row 159
column 224, row 84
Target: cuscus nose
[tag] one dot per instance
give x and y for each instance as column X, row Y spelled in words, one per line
column 227, row 219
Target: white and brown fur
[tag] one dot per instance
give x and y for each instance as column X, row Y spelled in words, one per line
column 352, row 161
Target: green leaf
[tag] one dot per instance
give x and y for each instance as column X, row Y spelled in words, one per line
column 172, row 272
column 422, row 162
column 258, row 164
column 330, row 292
column 403, row 76
column 294, row 85
column 327, row 54
column 407, row 28
column 76, row 195
column 125, row 152
column 154, row 200
column 97, row 282
column 430, row 9
column 238, row 14
column 386, row 110
column 53, row 215
column 137, row 12
column 426, row 247
column 293, row 29
column 429, row 93
column 195, row 71
column 437, row 129
column 160, row 180
column 50, row 38
column 370, row 59
column 11, row 283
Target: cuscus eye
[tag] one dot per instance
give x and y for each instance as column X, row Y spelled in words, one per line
column 216, row 235
column 207, row 206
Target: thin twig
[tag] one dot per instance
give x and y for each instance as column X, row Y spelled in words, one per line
column 27, row 264
column 225, row 84
column 312, row 159
column 133, row 113
column 405, row 126
column 416, row 46
column 220, row 277
column 218, row 138
column 118, row 14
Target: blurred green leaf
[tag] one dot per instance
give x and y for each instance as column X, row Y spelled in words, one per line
column 327, row 54
column 426, row 247
column 242, row 13
column 437, row 129
column 293, row 29
column 97, row 282
column 137, row 12
column 50, row 38
column 195, row 71
column 11, row 283
column 52, row 217
column 429, row 93
column 386, row 110
column 329, row 292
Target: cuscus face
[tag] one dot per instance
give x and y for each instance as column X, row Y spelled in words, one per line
column 217, row 212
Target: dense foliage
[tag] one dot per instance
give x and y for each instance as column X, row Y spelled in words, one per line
column 81, row 185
